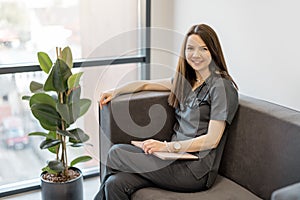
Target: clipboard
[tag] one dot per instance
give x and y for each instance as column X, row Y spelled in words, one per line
column 168, row 155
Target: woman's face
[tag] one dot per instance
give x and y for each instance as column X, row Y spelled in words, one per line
column 197, row 54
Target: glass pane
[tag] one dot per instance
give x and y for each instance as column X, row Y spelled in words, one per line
column 18, row 151
column 90, row 28
column 20, row 154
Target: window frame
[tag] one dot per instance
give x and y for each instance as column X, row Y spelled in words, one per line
column 143, row 59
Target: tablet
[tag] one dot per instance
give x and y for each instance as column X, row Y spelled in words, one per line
column 168, row 155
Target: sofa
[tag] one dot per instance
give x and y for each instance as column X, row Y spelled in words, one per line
column 261, row 156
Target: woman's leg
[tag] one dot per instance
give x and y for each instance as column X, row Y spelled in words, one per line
column 124, row 160
column 171, row 175
column 121, row 185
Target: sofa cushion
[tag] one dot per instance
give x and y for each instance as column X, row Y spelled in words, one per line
column 262, row 148
column 223, row 188
column 291, row 192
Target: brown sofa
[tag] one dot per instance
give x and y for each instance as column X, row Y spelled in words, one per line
column 260, row 155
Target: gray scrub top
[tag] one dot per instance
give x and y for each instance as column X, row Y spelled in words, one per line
column 215, row 99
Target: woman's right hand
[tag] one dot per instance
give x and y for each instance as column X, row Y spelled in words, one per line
column 105, row 97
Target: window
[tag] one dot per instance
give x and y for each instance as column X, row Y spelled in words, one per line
column 89, row 27
column 100, row 33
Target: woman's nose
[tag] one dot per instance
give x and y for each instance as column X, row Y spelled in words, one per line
column 197, row 53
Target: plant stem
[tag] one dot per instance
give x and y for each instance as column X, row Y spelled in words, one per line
column 65, row 155
column 63, row 139
column 57, row 148
column 57, row 56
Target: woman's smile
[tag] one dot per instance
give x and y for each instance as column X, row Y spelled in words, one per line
column 197, row 61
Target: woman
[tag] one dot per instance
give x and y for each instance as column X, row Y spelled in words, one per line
column 205, row 100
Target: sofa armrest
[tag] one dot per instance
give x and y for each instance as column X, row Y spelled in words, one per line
column 291, row 192
column 136, row 116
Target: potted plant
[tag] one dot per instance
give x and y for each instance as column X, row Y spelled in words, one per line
column 56, row 104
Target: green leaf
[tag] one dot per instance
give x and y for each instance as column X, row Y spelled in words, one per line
column 84, row 106
column 48, row 127
column 49, row 86
column 36, row 87
column 45, row 61
column 47, row 169
column 80, row 159
column 42, row 98
column 48, row 143
column 67, row 57
column 65, row 133
column 81, row 144
column 58, row 77
column 47, row 135
column 26, row 97
column 61, row 75
column 38, row 134
column 69, row 112
column 80, row 136
column 56, row 165
column 46, row 114
column 52, row 135
column 54, row 149
column 73, row 80
column 74, row 96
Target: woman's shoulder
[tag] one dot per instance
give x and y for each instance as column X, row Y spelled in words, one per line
column 218, row 81
column 221, row 86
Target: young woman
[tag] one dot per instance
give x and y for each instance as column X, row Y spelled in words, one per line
column 205, row 99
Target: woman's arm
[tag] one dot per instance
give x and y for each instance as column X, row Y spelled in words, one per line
column 208, row 141
column 136, row 86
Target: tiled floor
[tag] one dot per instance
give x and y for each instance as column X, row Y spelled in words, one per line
column 91, row 186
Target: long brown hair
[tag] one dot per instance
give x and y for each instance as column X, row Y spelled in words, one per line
column 185, row 74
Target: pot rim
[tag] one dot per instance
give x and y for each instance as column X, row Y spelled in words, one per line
column 70, row 181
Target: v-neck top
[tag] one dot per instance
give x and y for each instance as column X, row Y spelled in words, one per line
column 215, row 99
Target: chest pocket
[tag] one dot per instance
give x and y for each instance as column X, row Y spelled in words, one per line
column 199, row 97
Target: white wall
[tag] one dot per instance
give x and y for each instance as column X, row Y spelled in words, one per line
column 162, row 39
column 260, row 39
column 99, row 35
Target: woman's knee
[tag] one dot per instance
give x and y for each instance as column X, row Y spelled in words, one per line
column 116, row 154
column 117, row 146
column 121, row 149
column 116, row 149
column 111, row 183
column 122, row 157
column 115, row 184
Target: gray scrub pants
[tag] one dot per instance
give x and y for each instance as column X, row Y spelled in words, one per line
column 128, row 169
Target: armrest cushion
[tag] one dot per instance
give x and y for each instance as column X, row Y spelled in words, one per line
column 136, row 116
column 291, row 192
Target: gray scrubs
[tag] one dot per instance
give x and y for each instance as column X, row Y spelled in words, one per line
column 215, row 99
column 129, row 169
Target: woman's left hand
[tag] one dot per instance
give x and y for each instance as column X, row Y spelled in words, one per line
column 151, row 145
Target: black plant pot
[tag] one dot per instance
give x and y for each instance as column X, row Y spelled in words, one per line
column 71, row 190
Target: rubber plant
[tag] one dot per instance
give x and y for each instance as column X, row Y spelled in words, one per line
column 57, row 104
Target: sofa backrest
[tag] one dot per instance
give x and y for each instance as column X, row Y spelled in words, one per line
column 263, row 146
